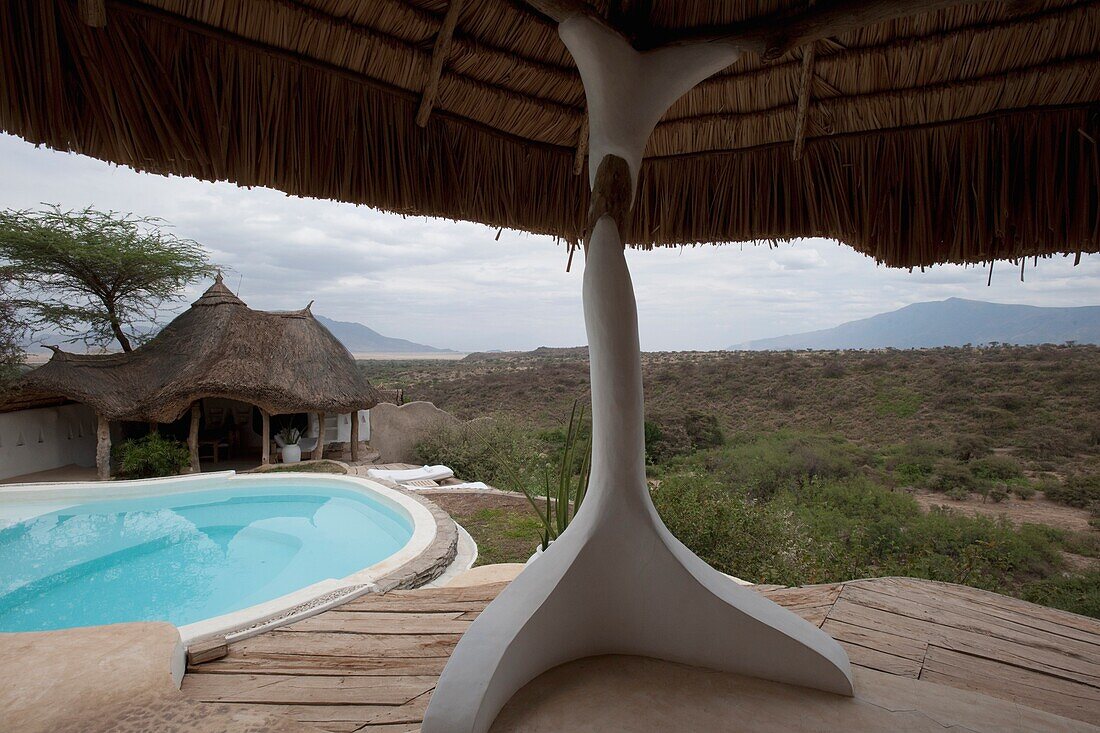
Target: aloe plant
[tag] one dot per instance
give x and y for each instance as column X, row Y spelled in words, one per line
column 566, row 490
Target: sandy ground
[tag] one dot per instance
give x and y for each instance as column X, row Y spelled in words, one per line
column 1036, row 510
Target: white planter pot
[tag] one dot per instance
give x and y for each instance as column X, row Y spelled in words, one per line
column 292, row 453
column 538, row 553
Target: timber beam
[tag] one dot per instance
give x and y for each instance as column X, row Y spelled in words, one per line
column 440, row 50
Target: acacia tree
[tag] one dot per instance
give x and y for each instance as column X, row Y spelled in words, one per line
column 94, row 275
column 12, row 330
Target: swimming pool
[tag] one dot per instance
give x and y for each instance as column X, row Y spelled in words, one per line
column 194, row 551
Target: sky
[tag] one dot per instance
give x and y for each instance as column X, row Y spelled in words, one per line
column 456, row 285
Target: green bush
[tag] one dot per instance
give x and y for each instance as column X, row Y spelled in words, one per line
column 970, row 446
column 995, row 468
column 151, row 457
column 1023, row 491
column 670, row 435
column 761, row 466
column 1080, row 490
column 1075, row 593
column 913, row 462
column 833, row 529
column 995, row 493
column 1083, row 542
column 489, row 450
column 758, row 542
column 949, row 475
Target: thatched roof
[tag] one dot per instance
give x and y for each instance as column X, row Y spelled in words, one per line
column 962, row 134
column 283, row 362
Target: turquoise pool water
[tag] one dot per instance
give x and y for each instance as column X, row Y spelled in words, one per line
column 189, row 556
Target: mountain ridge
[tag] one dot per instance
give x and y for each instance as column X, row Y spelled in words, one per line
column 950, row 322
column 363, row 339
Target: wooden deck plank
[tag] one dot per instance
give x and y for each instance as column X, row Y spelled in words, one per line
column 414, row 605
column 376, row 622
column 322, row 643
column 877, row 638
column 806, row 596
column 862, row 656
column 955, row 611
column 370, row 665
column 816, row 615
column 313, row 664
column 1052, row 620
column 969, row 642
column 309, row 689
column 1023, row 686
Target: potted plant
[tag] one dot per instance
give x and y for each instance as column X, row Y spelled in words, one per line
column 288, row 444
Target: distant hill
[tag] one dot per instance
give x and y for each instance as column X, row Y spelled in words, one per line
column 359, row 339
column 951, row 322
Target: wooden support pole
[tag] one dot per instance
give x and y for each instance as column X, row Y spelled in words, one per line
column 193, row 437
column 805, row 91
column 440, row 50
column 93, row 12
column 265, row 454
column 103, row 448
column 319, row 451
column 582, row 147
column 355, row 435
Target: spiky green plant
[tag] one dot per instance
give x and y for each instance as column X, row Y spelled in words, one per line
column 566, row 490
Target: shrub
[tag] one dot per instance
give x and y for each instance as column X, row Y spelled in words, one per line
column 949, row 475
column 1085, row 542
column 897, row 401
column 1075, row 593
column 971, row 446
column 1080, row 490
column 668, row 436
column 758, row 542
column 914, row 461
column 703, row 430
column 151, row 457
column 1023, row 491
column 995, row 468
column 995, row 493
column 1007, row 401
column 762, row 466
column 490, row 451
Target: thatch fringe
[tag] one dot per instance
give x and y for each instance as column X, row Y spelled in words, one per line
column 955, row 137
column 1000, row 187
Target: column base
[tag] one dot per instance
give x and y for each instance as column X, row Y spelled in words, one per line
column 638, row 591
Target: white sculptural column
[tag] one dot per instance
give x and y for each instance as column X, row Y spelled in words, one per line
column 617, row 581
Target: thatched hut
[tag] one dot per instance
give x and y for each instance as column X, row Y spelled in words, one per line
column 280, row 362
column 918, row 132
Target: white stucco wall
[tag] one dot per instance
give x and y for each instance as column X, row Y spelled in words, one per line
column 338, row 427
column 45, row 438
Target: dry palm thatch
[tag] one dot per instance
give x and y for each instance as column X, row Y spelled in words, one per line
column 281, row 362
column 962, row 134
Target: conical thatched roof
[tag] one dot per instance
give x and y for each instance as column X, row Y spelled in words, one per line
column 283, row 362
column 952, row 131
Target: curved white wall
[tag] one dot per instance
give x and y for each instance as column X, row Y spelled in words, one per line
column 45, row 438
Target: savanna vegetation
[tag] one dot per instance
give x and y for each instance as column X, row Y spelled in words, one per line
column 800, row 468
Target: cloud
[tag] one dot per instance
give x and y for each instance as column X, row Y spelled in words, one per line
column 453, row 284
